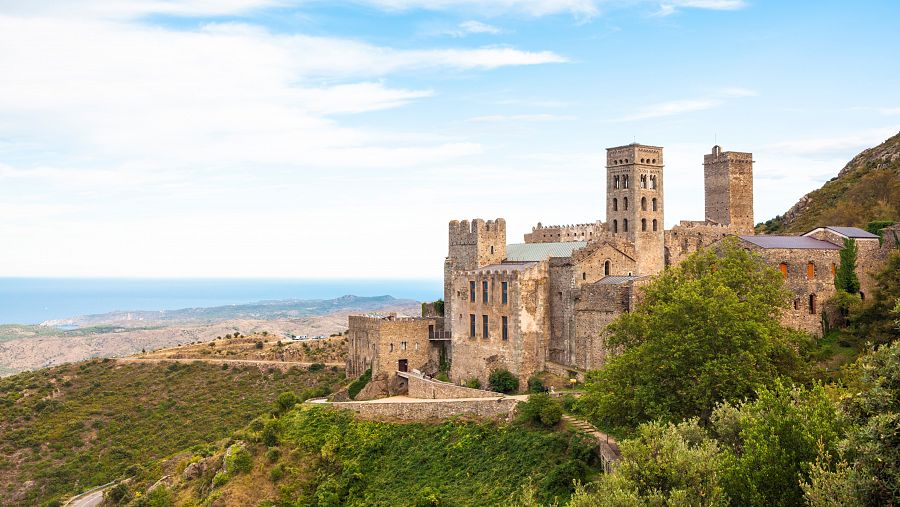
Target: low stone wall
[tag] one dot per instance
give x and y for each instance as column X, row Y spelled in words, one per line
column 426, row 410
column 430, row 389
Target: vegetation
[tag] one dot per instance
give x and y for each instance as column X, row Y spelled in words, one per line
column 503, row 381
column 357, row 385
column 845, row 278
column 867, row 190
column 68, row 428
column 706, row 332
column 541, row 409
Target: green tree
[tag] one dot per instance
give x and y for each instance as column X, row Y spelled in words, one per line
column 773, row 440
column 869, row 473
column 845, row 278
column 707, row 331
column 503, row 381
column 665, row 464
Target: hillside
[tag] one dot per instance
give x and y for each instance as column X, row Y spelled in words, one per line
column 867, row 189
column 67, row 428
column 313, row 456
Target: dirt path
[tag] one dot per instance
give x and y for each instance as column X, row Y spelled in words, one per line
column 258, row 362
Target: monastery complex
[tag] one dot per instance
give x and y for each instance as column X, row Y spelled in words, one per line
column 544, row 304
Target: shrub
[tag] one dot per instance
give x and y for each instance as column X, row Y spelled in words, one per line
column 541, row 409
column 285, row 402
column 535, row 384
column 443, row 377
column 270, row 435
column 473, row 383
column 316, row 367
column 239, row 461
column 118, row 494
column 503, row 381
column 276, row 473
column 273, row 454
column 258, row 344
column 359, row 383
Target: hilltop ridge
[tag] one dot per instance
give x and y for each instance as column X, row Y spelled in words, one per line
column 867, row 189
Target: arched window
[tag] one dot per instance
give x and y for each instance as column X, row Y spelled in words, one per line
column 653, row 180
column 810, row 270
column 606, row 268
column 783, row 268
column 643, row 224
column 615, row 182
column 492, row 248
column 584, row 276
column 643, row 181
column 862, row 295
column 812, row 304
column 615, row 204
column 625, row 225
column 392, row 347
column 625, row 182
column 615, row 226
column 653, row 204
column 643, row 204
column 833, row 269
column 796, row 303
column 654, row 224
column 625, row 203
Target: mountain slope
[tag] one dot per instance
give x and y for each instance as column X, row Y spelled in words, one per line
column 867, row 189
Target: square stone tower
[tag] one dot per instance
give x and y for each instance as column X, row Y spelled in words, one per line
column 471, row 245
column 728, row 177
column 634, row 202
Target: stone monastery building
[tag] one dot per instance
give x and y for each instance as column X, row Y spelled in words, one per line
column 544, row 304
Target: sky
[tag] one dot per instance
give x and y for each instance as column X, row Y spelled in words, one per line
column 314, row 139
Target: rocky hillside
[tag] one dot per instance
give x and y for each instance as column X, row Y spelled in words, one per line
column 866, row 190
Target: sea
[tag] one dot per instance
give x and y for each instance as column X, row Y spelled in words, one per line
column 35, row 300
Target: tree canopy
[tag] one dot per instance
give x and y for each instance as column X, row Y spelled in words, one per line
column 706, row 331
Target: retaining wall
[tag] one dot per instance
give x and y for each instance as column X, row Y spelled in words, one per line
column 430, row 389
column 426, row 410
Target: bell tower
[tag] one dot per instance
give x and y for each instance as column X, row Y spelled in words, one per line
column 634, row 202
column 728, row 182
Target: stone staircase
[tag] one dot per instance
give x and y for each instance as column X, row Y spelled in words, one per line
column 608, row 449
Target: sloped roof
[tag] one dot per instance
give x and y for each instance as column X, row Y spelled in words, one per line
column 525, row 252
column 507, row 266
column 615, row 280
column 788, row 242
column 847, row 232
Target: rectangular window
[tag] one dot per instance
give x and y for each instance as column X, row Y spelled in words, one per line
column 472, row 291
column 484, row 292
column 472, row 325
column 505, row 286
column 505, row 328
column 484, row 326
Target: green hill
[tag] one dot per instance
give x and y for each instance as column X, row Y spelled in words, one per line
column 71, row 427
column 866, row 190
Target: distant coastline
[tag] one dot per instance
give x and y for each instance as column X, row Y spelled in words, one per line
column 36, row 300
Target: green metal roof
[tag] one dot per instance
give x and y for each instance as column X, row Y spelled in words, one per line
column 531, row 252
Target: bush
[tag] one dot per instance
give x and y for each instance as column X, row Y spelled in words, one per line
column 359, row 383
column 239, row 461
column 473, row 383
column 503, row 381
column 258, row 344
column 535, row 384
column 316, row 367
column 276, row 473
column 541, row 409
column 443, row 377
column 118, row 494
column 285, row 402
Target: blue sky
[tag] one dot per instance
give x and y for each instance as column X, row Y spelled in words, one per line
column 265, row 138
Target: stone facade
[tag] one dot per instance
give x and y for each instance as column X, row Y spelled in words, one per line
column 384, row 343
column 425, row 411
column 546, row 303
column 561, row 233
column 728, row 181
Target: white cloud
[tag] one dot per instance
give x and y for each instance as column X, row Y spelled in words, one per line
column 842, row 143
column 675, row 107
column 473, row 27
column 499, row 118
column 889, row 111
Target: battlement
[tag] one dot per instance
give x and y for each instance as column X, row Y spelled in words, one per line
column 562, row 233
column 719, row 156
column 464, row 232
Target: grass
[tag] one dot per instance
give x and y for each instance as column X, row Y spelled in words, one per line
column 327, row 350
column 325, row 457
column 65, row 429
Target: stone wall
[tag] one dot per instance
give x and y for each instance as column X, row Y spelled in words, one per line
column 430, row 410
column 524, row 350
column 430, row 389
column 690, row 236
column 381, row 342
column 562, row 233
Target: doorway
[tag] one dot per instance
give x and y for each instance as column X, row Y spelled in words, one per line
column 403, row 365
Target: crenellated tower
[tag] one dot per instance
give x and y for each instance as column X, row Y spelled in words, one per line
column 634, row 202
column 728, row 182
column 472, row 245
